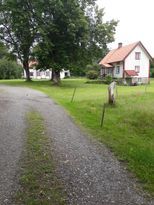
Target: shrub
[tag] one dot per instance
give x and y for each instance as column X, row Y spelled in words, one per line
column 66, row 77
column 92, row 74
column 94, row 82
column 93, row 66
column 9, row 70
column 152, row 73
column 108, row 79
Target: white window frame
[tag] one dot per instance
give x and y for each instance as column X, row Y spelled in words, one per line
column 118, row 69
column 137, row 55
column 38, row 73
column 31, row 73
column 47, row 73
column 137, row 68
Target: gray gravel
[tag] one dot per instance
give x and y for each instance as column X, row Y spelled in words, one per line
column 89, row 171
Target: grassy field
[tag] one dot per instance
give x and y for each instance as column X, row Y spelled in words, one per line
column 128, row 127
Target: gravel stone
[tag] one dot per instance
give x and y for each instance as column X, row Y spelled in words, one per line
column 90, row 173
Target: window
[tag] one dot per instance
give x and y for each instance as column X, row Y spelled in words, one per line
column 137, row 68
column 31, row 74
column 117, row 69
column 47, row 73
column 137, row 55
column 38, row 73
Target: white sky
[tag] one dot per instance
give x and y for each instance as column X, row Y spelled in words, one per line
column 136, row 21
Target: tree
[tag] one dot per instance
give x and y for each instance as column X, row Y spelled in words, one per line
column 3, row 50
column 18, row 29
column 63, row 29
column 9, row 69
column 152, row 63
column 73, row 35
column 66, row 34
column 4, row 53
column 100, row 33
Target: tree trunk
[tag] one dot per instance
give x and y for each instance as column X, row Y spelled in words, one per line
column 56, row 77
column 26, row 68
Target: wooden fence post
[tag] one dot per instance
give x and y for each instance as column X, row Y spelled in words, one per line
column 103, row 114
column 73, row 95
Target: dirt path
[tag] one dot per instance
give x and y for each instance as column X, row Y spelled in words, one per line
column 91, row 174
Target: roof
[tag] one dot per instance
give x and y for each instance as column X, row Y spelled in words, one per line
column 119, row 54
column 108, row 65
column 131, row 72
column 33, row 63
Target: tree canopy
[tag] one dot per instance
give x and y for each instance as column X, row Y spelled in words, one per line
column 62, row 34
column 18, row 29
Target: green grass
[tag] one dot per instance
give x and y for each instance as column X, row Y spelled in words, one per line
column 38, row 182
column 128, row 127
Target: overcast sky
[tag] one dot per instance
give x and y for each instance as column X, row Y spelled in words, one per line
column 136, row 21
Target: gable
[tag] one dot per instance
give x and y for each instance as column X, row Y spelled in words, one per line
column 120, row 54
column 117, row 55
column 141, row 49
column 138, row 49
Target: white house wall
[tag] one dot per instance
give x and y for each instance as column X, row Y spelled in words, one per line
column 42, row 74
column 64, row 73
column 131, row 62
column 47, row 74
column 120, row 75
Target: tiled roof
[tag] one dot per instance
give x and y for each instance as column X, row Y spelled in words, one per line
column 33, row 63
column 131, row 72
column 118, row 54
column 108, row 65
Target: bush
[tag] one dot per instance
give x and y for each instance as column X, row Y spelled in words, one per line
column 92, row 74
column 66, row 77
column 93, row 66
column 152, row 73
column 108, row 79
column 94, row 82
column 76, row 71
column 10, row 70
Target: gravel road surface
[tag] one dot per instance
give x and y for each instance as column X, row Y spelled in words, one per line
column 89, row 171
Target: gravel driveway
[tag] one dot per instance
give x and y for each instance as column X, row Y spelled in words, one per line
column 90, row 172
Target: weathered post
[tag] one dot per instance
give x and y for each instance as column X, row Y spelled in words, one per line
column 111, row 93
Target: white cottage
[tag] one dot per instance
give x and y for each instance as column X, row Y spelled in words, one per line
column 43, row 74
column 47, row 74
column 130, row 63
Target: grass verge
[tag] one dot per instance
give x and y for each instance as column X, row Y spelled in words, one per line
column 38, row 182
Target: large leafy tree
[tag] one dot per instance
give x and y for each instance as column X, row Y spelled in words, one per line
column 18, row 29
column 3, row 50
column 4, row 53
column 63, row 29
column 73, row 34
column 100, row 33
column 69, row 33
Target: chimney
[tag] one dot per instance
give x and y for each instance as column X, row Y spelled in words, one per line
column 119, row 45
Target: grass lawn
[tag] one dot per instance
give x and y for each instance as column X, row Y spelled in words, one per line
column 128, row 127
